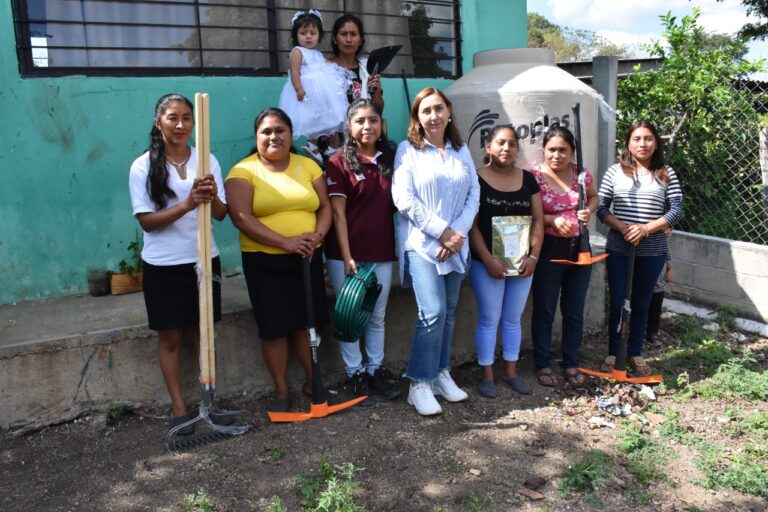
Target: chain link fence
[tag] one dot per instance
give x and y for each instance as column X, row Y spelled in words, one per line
column 723, row 166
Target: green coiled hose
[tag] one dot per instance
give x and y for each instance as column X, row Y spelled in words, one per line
column 355, row 303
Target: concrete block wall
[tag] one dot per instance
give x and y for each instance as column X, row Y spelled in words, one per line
column 66, row 356
column 712, row 271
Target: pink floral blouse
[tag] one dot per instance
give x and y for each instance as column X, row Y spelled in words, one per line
column 557, row 203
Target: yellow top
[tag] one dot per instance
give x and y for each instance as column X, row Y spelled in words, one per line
column 285, row 202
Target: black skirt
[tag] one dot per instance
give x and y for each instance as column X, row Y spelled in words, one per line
column 170, row 294
column 276, row 289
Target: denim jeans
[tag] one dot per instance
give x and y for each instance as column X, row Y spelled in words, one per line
column 498, row 300
column 436, row 297
column 647, row 270
column 374, row 333
column 570, row 282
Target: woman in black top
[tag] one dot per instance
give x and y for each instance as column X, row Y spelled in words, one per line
column 505, row 190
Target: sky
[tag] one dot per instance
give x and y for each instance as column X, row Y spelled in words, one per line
column 632, row 22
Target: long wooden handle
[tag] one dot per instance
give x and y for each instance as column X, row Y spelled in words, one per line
column 203, row 156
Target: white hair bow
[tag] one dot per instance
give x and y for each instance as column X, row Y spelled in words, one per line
column 311, row 12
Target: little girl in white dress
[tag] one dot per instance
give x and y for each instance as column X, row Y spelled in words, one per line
column 315, row 95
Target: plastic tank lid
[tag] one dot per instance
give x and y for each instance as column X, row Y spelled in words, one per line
column 514, row 56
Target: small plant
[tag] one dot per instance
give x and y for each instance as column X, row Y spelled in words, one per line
column 672, row 430
column 133, row 265
column 734, row 379
column 725, row 317
column 479, row 503
column 331, row 490
column 587, row 474
column 197, row 502
column 742, row 472
column 276, row 453
column 646, row 457
column 115, row 412
column 271, row 505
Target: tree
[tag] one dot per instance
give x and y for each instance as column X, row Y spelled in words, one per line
column 710, row 125
column 758, row 30
column 569, row 44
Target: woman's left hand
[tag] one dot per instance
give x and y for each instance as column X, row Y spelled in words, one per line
column 374, row 84
column 583, row 215
column 527, row 267
column 204, row 189
column 635, row 233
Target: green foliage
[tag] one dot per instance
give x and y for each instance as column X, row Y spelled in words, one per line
column 726, row 317
column 570, row 44
column 276, row 453
column 706, row 358
column 133, row 265
column 674, row 431
column 755, row 424
column 587, row 474
column 115, row 412
column 274, row 504
column 743, row 472
column 734, row 379
column 645, row 456
column 708, row 122
column 197, row 502
column 331, row 490
column 479, row 503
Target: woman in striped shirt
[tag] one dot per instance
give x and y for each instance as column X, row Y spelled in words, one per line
column 639, row 198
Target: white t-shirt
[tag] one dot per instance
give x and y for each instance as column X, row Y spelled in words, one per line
column 176, row 243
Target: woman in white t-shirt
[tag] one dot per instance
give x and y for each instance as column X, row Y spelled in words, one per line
column 165, row 193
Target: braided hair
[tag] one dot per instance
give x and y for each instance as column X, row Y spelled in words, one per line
column 157, row 179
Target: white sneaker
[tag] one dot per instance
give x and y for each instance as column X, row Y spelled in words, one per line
column 420, row 396
column 444, row 386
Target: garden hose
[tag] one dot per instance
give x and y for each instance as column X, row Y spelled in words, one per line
column 355, row 303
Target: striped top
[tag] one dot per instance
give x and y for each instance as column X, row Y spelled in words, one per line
column 433, row 192
column 638, row 202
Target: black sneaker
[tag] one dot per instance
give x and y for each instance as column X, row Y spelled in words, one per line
column 358, row 385
column 385, row 384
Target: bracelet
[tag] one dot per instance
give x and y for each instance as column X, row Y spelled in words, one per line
column 534, row 257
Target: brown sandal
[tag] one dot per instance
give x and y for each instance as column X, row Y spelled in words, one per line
column 639, row 366
column 545, row 377
column 608, row 364
column 573, row 378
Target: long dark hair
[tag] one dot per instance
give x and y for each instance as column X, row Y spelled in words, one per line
column 492, row 134
column 306, row 19
column 267, row 112
column 386, row 160
column 657, row 165
column 340, row 21
column 157, row 179
column 416, row 131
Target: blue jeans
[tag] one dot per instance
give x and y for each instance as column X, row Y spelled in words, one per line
column 647, row 270
column 436, row 297
column 570, row 282
column 498, row 300
column 374, row 333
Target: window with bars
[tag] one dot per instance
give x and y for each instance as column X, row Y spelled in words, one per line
column 220, row 37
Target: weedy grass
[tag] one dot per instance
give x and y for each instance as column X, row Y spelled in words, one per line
column 197, row 502
column 476, row 503
column 332, row 489
column 646, row 457
column 586, row 475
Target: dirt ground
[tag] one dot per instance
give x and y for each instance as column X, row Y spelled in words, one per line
column 477, row 455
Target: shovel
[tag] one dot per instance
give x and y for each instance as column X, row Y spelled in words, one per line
column 319, row 407
column 173, row 442
column 585, row 249
column 619, row 372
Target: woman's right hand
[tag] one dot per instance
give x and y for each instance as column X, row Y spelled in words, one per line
column 563, row 226
column 495, row 268
column 301, row 245
column 300, row 94
column 452, row 240
column 350, row 267
column 203, row 191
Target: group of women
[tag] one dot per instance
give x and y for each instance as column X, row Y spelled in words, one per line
column 287, row 208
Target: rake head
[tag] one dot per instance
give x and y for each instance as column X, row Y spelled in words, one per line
column 176, row 443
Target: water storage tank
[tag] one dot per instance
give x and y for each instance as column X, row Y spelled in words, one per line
column 522, row 87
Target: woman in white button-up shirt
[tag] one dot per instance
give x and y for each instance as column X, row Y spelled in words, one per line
column 436, row 191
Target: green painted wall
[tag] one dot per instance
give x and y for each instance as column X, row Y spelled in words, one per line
column 67, row 144
column 492, row 24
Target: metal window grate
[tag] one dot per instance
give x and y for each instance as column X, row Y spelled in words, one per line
column 220, row 37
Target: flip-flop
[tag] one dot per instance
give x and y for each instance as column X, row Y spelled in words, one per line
column 545, row 377
column 573, row 377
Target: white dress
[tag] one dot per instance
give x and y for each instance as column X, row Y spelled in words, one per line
column 324, row 108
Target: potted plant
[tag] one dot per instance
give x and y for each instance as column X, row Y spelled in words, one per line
column 128, row 279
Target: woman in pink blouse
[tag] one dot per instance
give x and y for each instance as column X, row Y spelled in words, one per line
column 557, row 177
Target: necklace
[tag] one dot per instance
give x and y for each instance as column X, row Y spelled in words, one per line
column 179, row 165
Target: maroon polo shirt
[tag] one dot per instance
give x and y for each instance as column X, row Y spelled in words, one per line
column 370, row 210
